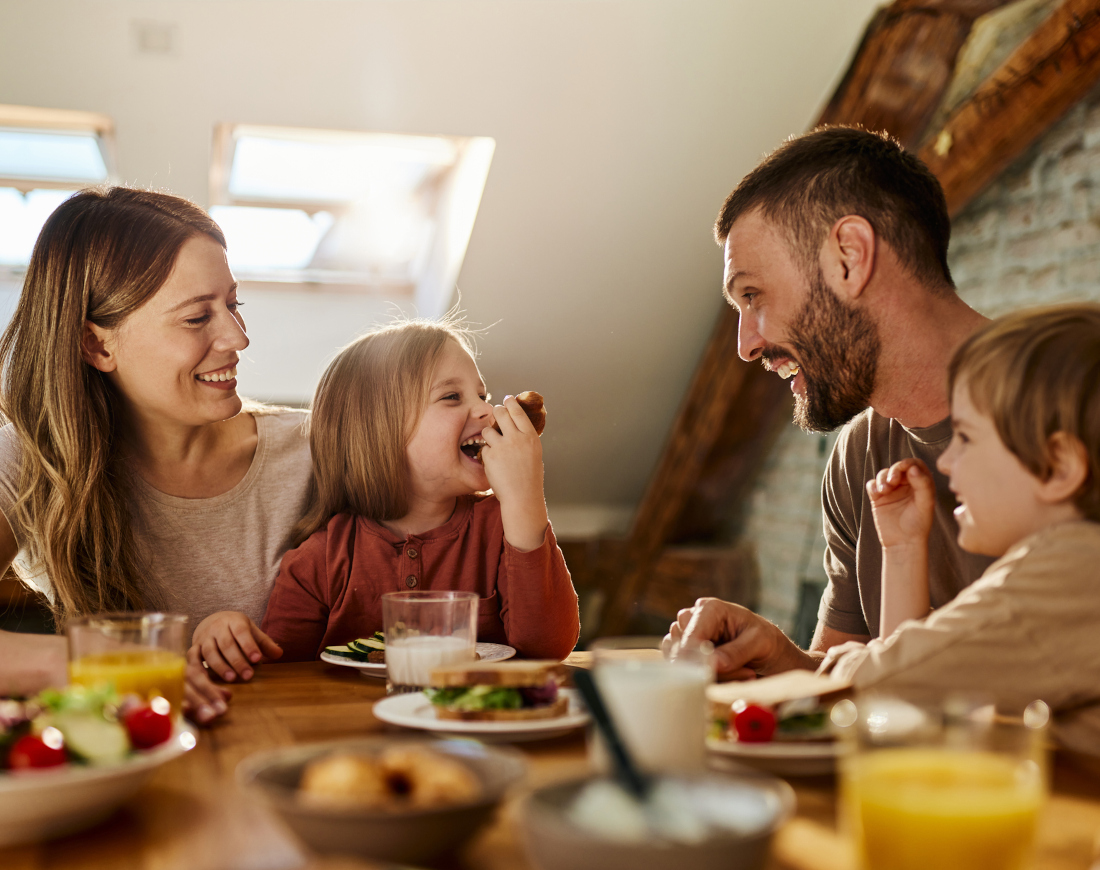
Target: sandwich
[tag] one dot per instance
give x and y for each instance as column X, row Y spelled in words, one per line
column 499, row 692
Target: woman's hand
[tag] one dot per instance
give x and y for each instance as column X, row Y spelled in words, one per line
column 903, row 501
column 513, row 463
column 231, row 644
column 202, row 700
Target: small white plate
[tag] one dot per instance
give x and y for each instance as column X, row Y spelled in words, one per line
column 489, row 652
column 781, row 757
column 414, row 710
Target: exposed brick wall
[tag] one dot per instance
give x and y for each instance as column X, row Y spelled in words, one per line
column 1033, row 237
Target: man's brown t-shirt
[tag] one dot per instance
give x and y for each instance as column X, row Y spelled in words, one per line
column 853, row 555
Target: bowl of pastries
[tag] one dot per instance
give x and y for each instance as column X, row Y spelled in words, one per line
column 405, row 800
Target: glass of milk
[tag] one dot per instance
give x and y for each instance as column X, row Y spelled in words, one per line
column 425, row 630
column 659, row 705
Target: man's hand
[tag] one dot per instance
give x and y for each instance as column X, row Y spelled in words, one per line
column 231, row 644
column 745, row 645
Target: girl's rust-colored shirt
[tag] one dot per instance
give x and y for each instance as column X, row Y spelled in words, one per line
column 329, row 590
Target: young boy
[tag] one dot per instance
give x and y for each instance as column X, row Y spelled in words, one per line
column 1024, row 463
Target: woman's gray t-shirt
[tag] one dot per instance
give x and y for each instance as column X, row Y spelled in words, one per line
column 205, row 554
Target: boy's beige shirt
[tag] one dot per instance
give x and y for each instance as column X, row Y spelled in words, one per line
column 1028, row 629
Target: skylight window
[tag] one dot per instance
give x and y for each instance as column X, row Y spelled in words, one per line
column 380, row 213
column 46, row 155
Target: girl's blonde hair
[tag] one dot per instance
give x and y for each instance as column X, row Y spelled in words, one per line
column 367, row 407
column 1037, row 372
column 100, row 256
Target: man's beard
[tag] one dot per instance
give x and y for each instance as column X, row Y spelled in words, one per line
column 838, row 349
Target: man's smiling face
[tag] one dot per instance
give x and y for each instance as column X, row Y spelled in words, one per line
column 798, row 326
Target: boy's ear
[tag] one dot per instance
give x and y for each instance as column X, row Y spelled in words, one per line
column 96, row 347
column 848, row 258
column 1070, row 468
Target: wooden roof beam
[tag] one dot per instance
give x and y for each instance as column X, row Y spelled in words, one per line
column 904, row 65
column 1047, row 74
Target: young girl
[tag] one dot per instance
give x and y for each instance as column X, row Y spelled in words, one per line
column 399, row 501
column 1024, row 462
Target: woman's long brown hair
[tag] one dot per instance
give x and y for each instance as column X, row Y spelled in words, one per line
column 100, row 256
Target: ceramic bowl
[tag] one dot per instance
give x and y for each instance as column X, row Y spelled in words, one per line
column 401, row 836
column 42, row 804
column 555, row 842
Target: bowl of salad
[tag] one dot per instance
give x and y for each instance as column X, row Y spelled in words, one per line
column 69, row 758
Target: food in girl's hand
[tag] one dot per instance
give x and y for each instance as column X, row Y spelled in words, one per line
column 506, row 691
column 400, row 778
column 535, row 409
column 91, row 726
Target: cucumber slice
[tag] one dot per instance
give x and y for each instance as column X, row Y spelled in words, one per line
column 346, row 653
column 92, row 737
column 366, row 644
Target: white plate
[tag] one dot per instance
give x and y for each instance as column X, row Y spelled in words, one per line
column 782, row 757
column 414, row 710
column 41, row 804
column 489, row 652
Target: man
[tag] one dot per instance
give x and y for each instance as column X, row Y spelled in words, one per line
column 836, row 260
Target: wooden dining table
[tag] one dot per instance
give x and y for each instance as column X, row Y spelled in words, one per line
column 192, row 816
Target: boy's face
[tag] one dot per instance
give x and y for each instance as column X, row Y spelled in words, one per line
column 457, row 410
column 999, row 502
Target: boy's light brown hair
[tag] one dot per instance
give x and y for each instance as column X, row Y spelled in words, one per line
column 1036, row 372
column 366, row 408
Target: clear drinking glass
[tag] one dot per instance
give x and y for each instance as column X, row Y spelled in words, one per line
column 138, row 653
column 951, row 786
column 659, row 705
column 425, row 630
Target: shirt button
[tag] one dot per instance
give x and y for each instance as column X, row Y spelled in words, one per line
column 411, row 553
column 410, row 581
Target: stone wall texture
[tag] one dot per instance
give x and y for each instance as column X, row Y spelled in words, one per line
column 1031, row 238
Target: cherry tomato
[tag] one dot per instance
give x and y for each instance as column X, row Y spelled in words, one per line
column 31, row 751
column 147, row 728
column 753, row 723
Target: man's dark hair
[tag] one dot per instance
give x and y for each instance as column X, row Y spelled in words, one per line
column 813, row 180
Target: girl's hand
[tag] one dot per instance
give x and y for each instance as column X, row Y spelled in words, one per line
column 202, row 700
column 513, row 463
column 903, row 500
column 230, row 643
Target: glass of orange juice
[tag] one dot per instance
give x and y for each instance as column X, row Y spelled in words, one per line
column 138, row 653
column 951, row 787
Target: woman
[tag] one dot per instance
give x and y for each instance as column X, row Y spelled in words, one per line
column 130, row 479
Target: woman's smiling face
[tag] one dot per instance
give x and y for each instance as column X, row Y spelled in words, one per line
column 457, row 409
column 174, row 359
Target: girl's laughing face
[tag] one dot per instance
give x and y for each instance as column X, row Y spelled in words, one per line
column 457, row 411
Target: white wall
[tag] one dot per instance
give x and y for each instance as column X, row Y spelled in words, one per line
column 620, row 127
